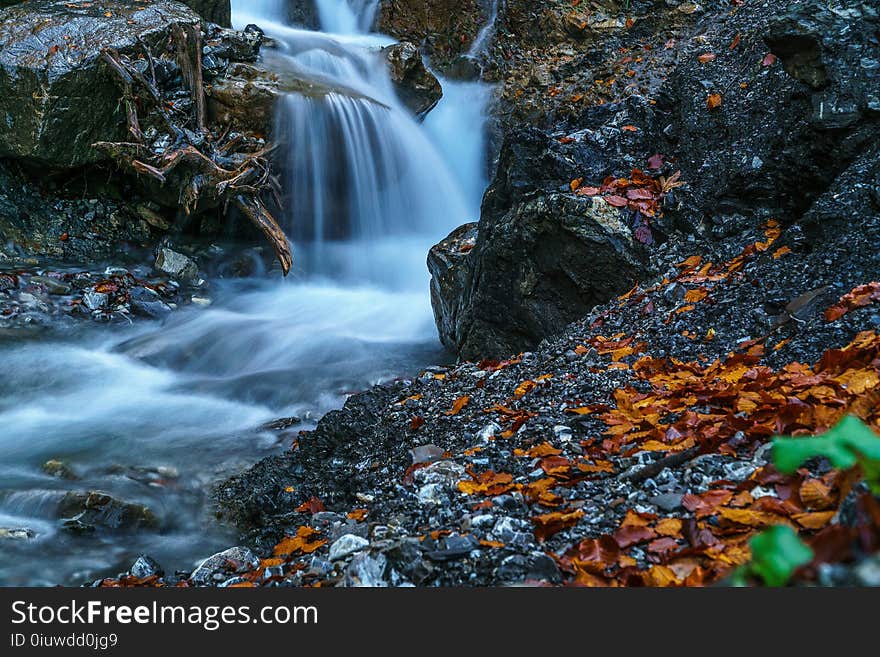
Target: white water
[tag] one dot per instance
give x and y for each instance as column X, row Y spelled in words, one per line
column 371, row 190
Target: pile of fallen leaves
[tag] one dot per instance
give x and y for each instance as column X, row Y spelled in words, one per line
column 732, row 407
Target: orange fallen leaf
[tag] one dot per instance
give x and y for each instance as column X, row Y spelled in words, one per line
column 551, row 523
column 458, row 404
column 713, row 101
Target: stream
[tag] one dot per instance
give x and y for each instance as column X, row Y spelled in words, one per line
column 157, row 413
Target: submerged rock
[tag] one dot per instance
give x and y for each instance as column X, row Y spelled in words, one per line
column 17, row 533
column 59, row 469
column 57, row 96
column 418, row 89
column 87, row 511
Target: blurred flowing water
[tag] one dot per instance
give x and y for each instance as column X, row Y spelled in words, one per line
column 156, row 413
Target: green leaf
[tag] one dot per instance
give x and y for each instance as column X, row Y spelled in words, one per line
column 844, row 445
column 776, row 553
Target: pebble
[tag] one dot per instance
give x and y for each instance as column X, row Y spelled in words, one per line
column 232, row 561
column 145, row 566
column 347, row 545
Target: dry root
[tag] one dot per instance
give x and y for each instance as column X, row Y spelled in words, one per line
column 207, row 169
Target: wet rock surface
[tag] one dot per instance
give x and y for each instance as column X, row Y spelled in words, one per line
column 52, row 51
column 89, row 511
column 415, row 85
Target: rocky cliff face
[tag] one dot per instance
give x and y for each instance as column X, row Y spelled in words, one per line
column 758, row 111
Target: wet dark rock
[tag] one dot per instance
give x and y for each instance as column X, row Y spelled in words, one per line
column 216, row 11
column 52, row 50
column 452, row 547
column 144, row 567
column 448, row 263
column 218, row 567
column 445, row 28
column 88, row 511
column 538, row 267
column 417, row 88
column 543, row 568
column 513, row 568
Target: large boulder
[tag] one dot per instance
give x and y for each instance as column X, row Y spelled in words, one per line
column 539, row 267
column 542, row 256
column 416, row 87
column 57, row 96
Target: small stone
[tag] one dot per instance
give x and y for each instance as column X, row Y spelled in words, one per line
column 366, row 570
column 488, row 432
column 426, row 454
column 319, row 566
column 543, row 568
column 433, row 494
column 347, row 545
column 448, row 473
column 667, row 501
column 144, row 567
column 177, row 265
column 562, row 432
column 96, row 300
column 513, row 568
column 59, row 469
column 234, row 561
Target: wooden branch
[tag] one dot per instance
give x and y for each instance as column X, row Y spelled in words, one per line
column 128, row 98
column 254, row 210
column 188, row 41
column 670, row 461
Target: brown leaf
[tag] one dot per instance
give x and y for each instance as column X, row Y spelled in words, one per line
column 616, row 201
column 628, row 535
column 706, row 57
column 713, row 101
column 312, row 505
column 736, row 40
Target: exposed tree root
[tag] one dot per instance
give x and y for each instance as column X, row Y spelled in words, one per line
column 207, row 169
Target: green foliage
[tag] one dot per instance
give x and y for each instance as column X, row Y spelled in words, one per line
column 849, row 443
column 776, row 553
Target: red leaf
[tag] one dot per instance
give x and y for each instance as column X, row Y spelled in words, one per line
column 313, row 505
column 616, row 201
column 735, row 42
column 655, row 161
column 769, row 59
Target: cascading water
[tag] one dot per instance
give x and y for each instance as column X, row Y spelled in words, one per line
column 369, row 190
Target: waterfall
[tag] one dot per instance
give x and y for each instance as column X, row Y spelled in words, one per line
column 368, row 190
